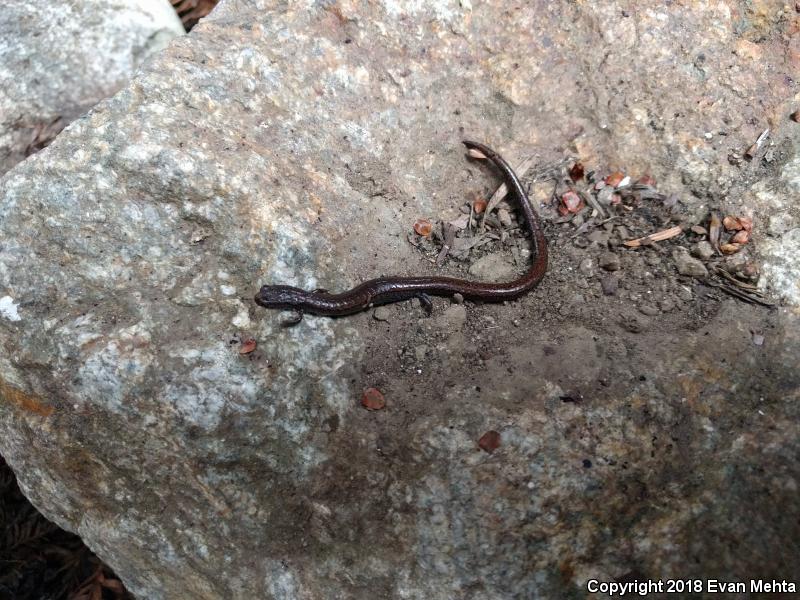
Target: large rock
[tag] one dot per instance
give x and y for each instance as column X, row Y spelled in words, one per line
column 297, row 144
column 58, row 59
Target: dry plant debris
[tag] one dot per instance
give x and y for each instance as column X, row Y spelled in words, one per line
column 39, row 560
column 191, row 11
column 608, row 213
column 373, row 399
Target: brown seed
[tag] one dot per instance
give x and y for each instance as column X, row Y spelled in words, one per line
column 714, row 227
column 741, row 237
column 731, row 223
column 615, row 178
column 795, row 116
column 373, row 399
column 479, row 206
column 576, row 172
column 247, row 346
column 746, row 223
column 423, row 227
column 571, row 202
column 490, row 441
column 729, row 248
column 699, row 230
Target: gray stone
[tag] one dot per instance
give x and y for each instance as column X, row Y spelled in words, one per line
column 381, row 313
column 634, row 322
column 652, row 259
column 586, row 267
column 598, row 236
column 609, row 261
column 649, row 309
column 703, row 250
column 59, row 60
column 495, row 266
column 609, row 284
column 687, row 264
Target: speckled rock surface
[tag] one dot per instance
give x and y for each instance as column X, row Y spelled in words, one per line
column 58, row 59
column 297, row 145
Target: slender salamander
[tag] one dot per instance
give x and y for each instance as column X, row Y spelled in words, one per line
column 384, row 290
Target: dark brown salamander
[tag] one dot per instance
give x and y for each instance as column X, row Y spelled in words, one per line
column 394, row 289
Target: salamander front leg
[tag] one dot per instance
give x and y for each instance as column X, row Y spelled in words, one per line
column 297, row 316
column 426, row 303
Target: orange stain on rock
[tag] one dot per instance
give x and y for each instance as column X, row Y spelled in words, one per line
column 26, row 402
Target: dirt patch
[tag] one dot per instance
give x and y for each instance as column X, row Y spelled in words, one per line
column 635, row 392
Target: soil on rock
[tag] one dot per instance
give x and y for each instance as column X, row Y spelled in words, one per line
column 629, row 371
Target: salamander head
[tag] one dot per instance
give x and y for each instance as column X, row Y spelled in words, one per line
column 282, row 296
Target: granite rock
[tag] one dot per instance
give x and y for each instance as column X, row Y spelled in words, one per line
column 265, row 147
column 57, row 60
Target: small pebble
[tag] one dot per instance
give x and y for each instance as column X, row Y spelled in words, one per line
column 610, row 284
column 758, row 339
column 648, row 309
column 586, row 267
column 688, row 265
column 598, row 236
column 381, row 313
column 604, row 195
column 633, row 322
column 703, row 250
column 458, row 298
column 666, row 305
column 610, row 261
column 505, row 217
column 685, row 294
column 652, row 259
column 415, row 303
column 492, row 267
